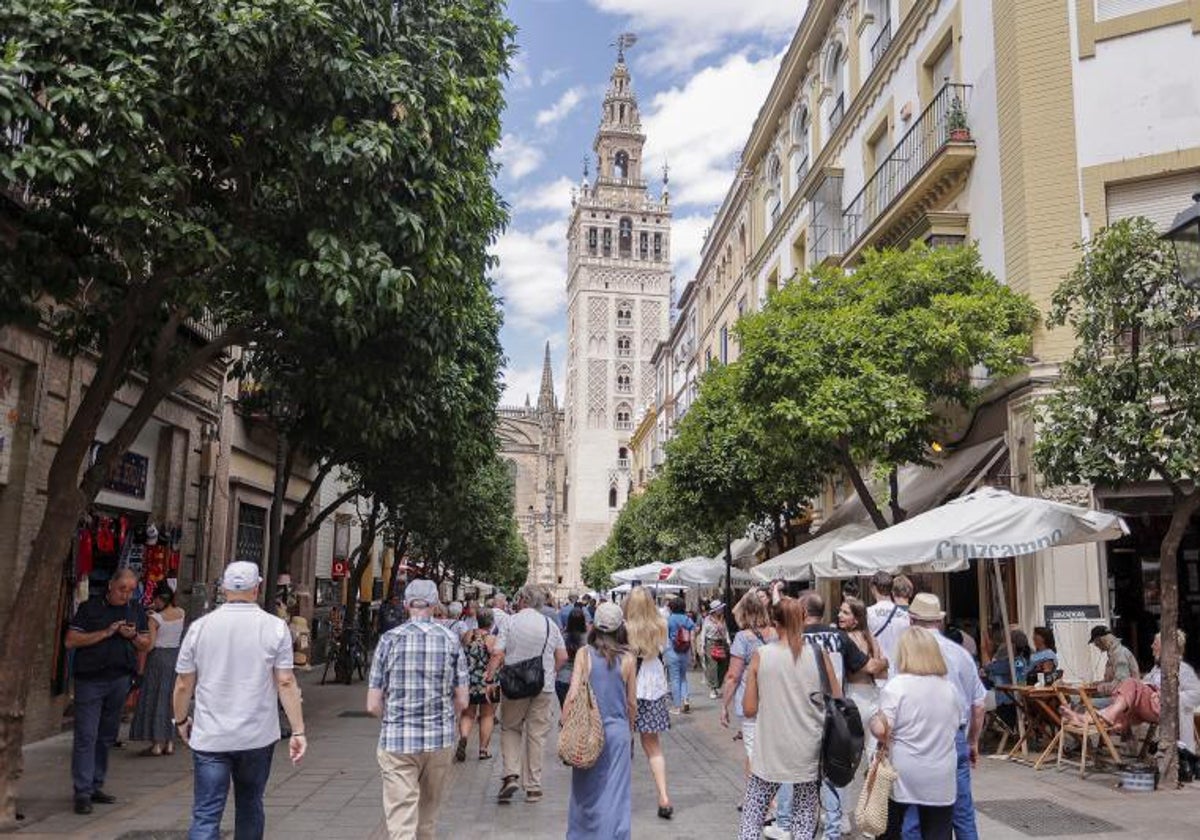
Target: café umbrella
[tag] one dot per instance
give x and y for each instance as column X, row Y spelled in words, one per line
column 645, row 573
column 989, row 524
column 813, row 559
column 707, row 571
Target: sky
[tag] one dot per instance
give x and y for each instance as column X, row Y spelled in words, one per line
column 701, row 69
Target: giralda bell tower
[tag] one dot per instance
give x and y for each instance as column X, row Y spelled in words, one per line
column 618, row 302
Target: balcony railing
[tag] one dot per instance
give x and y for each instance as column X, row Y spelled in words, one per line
column 882, row 42
column 827, row 233
column 622, row 463
column 837, row 111
column 943, row 120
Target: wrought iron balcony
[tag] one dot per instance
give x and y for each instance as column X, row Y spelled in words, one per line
column 882, row 42
column 918, row 154
column 837, row 111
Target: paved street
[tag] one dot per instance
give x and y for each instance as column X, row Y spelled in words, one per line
column 335, row 792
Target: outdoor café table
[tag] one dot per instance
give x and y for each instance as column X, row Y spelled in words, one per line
column 1039, row 704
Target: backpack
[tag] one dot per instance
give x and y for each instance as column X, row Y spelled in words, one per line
column 527, row 677
column 681, row 642
column 842, row 745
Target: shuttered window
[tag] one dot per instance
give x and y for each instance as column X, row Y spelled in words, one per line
column 1109, row 9
column 1158, row 199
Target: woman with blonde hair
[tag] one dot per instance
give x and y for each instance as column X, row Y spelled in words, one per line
column 756, row 630
column 919, row 714
column 783, row 694
column 647, row 632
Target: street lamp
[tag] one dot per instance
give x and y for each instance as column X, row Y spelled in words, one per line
column 1185, row 236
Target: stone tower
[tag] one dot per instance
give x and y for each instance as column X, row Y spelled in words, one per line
column 618, row 299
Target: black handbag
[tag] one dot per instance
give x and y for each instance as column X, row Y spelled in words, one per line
column 842, row 745
column 526, row 678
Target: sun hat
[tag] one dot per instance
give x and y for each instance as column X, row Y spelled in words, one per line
column 240, row 576
column 716, row 606
column 608, row 617
column 926, row 607
column 421, row 590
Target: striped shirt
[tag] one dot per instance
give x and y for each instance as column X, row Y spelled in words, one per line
column 417, row 666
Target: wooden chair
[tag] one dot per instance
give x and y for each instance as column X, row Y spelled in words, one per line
column 1093, row 724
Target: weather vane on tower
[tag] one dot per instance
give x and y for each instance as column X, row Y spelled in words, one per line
column 624, row 41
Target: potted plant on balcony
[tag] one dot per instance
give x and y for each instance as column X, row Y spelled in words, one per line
column 956, row 122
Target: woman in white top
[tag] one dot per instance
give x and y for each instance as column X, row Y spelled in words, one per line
column 920, row 711
column 783, row 690
column 647, row 633
column 152, row 717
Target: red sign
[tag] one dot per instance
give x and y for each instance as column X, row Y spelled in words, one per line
column 664, row 573
column 341, row 569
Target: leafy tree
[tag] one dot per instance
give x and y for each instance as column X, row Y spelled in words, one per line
column 1127, row 404
column 862, row 368
column 274, row 168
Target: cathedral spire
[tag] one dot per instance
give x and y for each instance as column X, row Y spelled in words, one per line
column 546, row 396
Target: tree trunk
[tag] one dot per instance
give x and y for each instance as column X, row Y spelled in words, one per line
column 860, row 486
column 899, row 514
column 1168, row 719
column 365, row 544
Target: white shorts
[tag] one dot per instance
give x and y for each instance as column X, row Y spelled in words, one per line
column 749, row 728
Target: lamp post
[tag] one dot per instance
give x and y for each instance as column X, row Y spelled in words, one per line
column 281, row 412
column 1184, row 235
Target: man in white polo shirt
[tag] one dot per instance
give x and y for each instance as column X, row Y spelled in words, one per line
column 886, row 620
column 237, row 660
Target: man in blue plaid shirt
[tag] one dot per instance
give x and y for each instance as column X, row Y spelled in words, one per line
column 418, row 686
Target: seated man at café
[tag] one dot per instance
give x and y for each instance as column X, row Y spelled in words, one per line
column 1119, row 663
column 1137, row 701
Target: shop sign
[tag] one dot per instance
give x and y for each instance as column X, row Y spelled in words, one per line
column 1071, row 612
column 341, row 568
column 128, row 476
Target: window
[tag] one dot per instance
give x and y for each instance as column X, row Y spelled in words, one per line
column 724, row 345
column 941, row 69
column 625, row 237
column 624, row 314
column 621, row 163
column 592, row 238
column 658, row 246
column 644, row 245
column 774, row 198
column 624, row 346
column 835, row 81
column 624, row 380
column 802, row 142
column 251, row 533
column 612, row 496
column 607, row 250
column 624, row 417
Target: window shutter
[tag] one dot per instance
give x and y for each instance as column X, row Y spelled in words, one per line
column 1158, row 199
column 1109, row 9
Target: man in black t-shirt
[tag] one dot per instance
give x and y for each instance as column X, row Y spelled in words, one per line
column 106, row 634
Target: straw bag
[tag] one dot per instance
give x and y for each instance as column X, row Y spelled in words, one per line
column 871, row 815
column 581, row 739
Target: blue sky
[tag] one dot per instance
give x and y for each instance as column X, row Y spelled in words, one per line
column 701, row 68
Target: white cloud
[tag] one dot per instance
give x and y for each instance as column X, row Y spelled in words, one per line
column 519, row 77
column 566, row 103
column 688, row 30
column 701, row 127
column 532, row 274
column 552, row 195
column 517, row 157
column 687, row 236
column 523, row 380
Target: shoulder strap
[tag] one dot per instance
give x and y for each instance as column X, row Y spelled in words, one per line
column 546, row 643
column 829, row 681
column 895, row 609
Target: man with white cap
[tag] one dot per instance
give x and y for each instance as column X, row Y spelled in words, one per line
column 926, row 611
column 418, row 685
column 237, row 660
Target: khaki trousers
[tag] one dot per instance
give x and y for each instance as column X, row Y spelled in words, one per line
column 412, row 791
column 524, row 725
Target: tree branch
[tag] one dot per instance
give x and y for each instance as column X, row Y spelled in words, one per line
column 899, row 514
column 860, row 486
column 315, row 524
column 300, row 514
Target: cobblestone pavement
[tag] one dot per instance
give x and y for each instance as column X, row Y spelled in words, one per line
column 335, row 793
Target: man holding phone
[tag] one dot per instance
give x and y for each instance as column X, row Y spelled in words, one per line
column 106, row 634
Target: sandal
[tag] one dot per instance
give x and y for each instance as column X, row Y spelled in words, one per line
column 170, row 750
column 484, row 755
column 460, row 752
column 152, row 750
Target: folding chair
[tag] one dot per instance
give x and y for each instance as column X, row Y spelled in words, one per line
column 1093, row 724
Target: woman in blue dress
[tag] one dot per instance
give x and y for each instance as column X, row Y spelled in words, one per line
column 601, row 803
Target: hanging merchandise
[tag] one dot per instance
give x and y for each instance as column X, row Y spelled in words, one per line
column 174, row 542
column 123, row 530
column 105, row 538
column 83, row 551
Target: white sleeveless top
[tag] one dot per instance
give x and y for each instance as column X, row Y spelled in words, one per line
column 791, row 725
column 170, row 633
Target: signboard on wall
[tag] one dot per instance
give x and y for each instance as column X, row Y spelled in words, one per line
column 129, row 475
column 9, row 388
column 1069, row 612
column 340, row 569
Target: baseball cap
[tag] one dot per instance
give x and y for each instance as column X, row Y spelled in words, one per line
column 240, row 576
column 421, row 590
column 1099, row 631
column 608, row 617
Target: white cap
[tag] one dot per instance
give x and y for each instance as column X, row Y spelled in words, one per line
column 240, row 576
column 421, row 590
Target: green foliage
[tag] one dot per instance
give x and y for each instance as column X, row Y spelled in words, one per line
column 1128, row 403
column 860, row 369
column 656, row 524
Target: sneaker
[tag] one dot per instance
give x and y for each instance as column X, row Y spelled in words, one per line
column 533, row 796
column 774, row 832
column 687, row 707
column 507, row 788
column 103, row 798
column 83, row 805
column 712, row 695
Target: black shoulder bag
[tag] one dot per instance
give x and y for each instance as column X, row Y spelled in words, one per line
column 526, row 678
column 842, row 745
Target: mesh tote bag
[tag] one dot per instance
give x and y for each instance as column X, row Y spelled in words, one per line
column 581, row 739
column 871, row 815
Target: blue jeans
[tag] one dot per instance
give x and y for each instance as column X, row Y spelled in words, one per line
column 677, row 669
column 831, row 803
column 964, row 803
column 783, row 807
column 249, row 770
column 98, row 706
